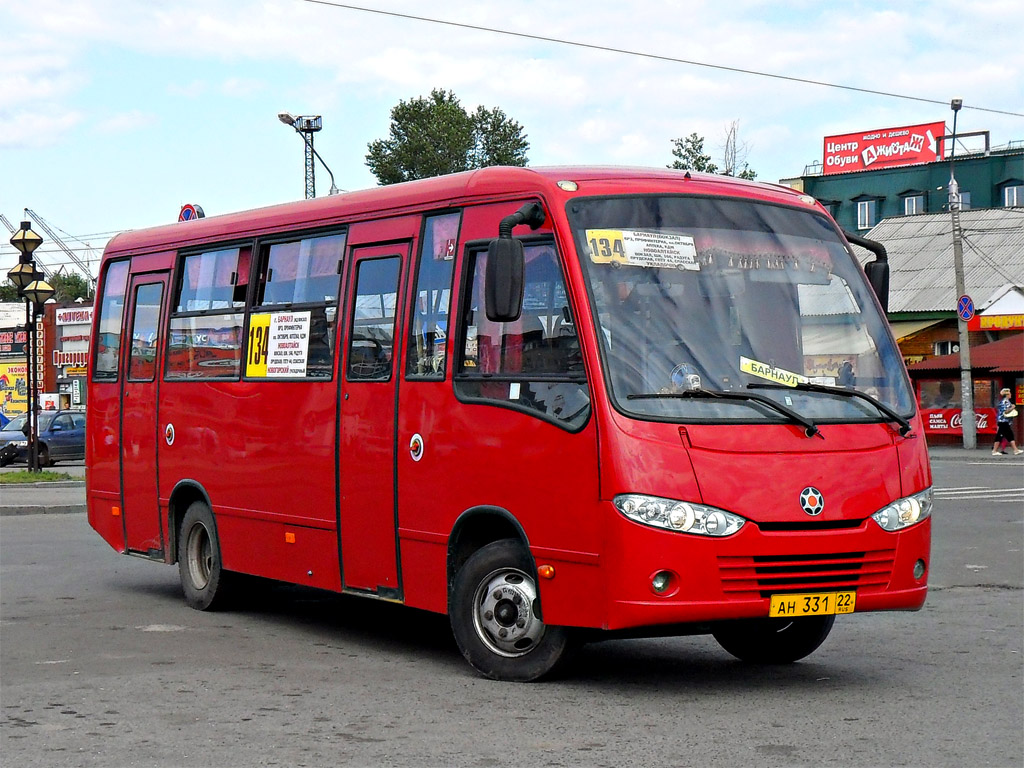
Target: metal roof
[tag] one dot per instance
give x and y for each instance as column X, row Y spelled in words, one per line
column 920, row 249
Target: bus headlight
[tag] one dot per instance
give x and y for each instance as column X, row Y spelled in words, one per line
column 682, row 516
column 905, row 512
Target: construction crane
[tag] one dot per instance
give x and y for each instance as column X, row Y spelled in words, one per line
column 10, row 227
column 60, row 244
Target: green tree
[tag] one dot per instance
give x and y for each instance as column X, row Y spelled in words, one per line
column 67, row 286
column 435, row 135
column 690, row 155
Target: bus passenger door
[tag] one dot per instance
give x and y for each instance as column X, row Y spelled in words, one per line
column 366, row 446
column 143, row 526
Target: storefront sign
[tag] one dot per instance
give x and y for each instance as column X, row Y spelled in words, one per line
column 886, row 148
column 78, row 359
column 12, row 342
column 74, row 316
column 996, row 323
column 949, row 421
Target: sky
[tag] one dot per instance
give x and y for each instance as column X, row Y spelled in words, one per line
column 115, row 113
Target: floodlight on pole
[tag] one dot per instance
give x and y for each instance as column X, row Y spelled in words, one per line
column 306, row 126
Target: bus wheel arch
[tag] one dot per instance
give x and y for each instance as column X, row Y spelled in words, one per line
column 476, row 528
column 185, row 492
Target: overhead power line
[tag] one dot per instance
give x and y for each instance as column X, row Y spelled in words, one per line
column 657, row 57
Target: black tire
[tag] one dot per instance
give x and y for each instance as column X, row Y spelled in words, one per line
column 773, row 641
column 206, row 584
column 43, row 457
column 493, row 610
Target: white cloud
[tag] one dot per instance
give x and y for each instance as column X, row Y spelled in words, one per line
column 36, row 128
column 126, row 122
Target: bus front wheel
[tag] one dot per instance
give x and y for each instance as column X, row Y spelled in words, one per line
column 773, row 641
column 494, row 615
column 203, row 578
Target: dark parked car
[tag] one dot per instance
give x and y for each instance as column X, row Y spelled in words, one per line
column 61, row 437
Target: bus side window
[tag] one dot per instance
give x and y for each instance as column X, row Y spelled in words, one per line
column 372, row 337
column 108, row 325
column 205, row 339
column 145, row 331
column 298, row 285
column 428, row 331
column 532, row 363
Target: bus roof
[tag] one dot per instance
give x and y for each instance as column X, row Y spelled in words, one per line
column 500, row 182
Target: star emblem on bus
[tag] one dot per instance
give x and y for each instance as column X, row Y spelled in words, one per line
column 812, row 501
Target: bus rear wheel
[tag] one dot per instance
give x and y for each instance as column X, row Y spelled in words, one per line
column 203, row 579
column 494, row 615
column 773, row 641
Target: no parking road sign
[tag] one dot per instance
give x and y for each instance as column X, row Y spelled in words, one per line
column 190, row 212
column 965, row 307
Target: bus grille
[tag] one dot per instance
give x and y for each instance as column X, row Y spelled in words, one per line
column 761, row 576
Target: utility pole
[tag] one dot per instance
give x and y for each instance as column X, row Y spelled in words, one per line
column 967, row 422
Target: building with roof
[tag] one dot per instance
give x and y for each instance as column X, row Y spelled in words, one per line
column 891, row 185
column 916, row 184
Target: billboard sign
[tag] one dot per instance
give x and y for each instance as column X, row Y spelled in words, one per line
column 886, row 148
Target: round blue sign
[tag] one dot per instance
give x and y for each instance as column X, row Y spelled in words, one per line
column 189, row 212
column 965, row 307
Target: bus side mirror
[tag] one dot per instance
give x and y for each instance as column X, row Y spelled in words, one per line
column 503, row 280
column 877, row 271
column 878, row 276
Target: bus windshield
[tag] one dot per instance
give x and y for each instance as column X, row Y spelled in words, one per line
column 696, row 296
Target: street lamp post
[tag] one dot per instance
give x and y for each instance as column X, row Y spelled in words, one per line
column 35, row 291
column 306, row 126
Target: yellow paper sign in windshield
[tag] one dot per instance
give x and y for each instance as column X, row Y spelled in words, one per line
column 642, row 248
column 770, row 372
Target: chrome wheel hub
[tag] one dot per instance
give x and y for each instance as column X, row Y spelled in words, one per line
column 504, row 618
column 199, row 552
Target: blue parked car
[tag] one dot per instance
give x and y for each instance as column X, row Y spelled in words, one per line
column 61, row 438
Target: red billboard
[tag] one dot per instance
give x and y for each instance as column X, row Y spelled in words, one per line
column 950, row 421
column 885, row 148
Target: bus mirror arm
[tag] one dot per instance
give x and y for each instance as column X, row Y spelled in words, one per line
column 504, row 277
column 877, row 270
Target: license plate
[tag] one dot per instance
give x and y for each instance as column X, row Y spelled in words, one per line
column 812, row 604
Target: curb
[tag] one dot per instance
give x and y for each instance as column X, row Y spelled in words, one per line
column 47, row 484
column 39, row 509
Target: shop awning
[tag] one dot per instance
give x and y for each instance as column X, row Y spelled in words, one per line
column 903, row 328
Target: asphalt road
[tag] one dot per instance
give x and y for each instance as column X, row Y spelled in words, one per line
column 102, row 664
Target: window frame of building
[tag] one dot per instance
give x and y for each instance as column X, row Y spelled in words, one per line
column 1012, row 193
column 868, row 212
column 914, row 203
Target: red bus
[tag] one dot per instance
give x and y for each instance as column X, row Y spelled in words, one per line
column 558, row 405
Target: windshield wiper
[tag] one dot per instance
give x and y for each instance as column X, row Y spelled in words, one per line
column 809, row 427
column 884, row 409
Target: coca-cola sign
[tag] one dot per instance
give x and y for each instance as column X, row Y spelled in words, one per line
column 885, row 148
column 949, row 421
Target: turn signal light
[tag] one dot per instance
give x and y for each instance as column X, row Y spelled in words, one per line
column 546, row 571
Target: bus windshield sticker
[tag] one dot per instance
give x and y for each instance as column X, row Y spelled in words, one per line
column 278, row 344
column 770, row 372
column 636, row 248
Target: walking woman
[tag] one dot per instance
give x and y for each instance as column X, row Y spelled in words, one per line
column 1005, row 411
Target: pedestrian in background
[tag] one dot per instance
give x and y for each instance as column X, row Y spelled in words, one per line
column 1005, row 411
